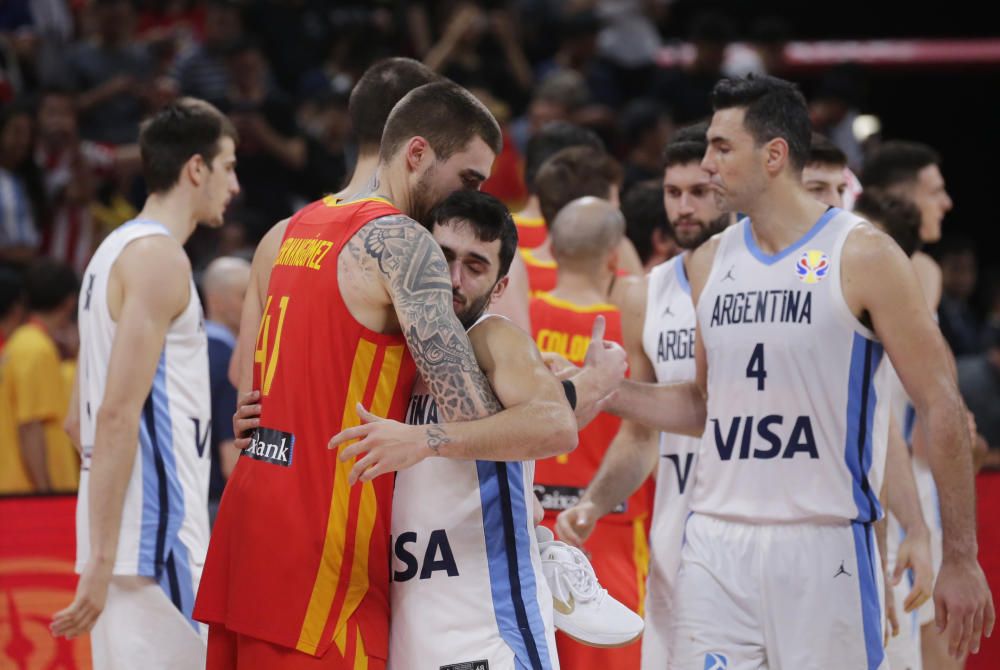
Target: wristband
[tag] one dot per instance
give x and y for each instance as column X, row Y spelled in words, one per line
column 570, row 391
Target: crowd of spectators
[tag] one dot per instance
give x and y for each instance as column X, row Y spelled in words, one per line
column 78, row 76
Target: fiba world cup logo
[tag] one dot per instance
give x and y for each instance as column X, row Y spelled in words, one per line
column 812, row 266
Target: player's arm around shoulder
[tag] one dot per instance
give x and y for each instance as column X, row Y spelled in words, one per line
column 410, row 267
column 535, row 401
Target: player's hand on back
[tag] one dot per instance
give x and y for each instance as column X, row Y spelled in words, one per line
column 963, row 605
column 384, row 445
column 246, row 419
column 574, row 525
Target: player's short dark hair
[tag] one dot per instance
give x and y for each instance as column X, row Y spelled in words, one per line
column 47, row 284
column 897, row 162
column 11, row 289
column 824, row 152
column 377, row 92
column 899, row 217
column 185, row 128
column 574, row 173
column 773, row 108
column 488, row 217
column 550, row 140
column 644, row 213
column 443, row 113
column 688, row 145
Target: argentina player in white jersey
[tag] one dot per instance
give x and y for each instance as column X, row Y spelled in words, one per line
column 144, row 406
column 659, row 329
column 468, row 590
column 794, row 307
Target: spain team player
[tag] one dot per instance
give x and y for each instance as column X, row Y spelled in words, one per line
column 144, row 408
column 358, row 302
column 574, row 172
column 788, row 471
column 548, row 141
column 659, row 329
column 372, row 99
column 584, row 238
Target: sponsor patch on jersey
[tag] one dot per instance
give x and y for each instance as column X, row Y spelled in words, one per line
column 469, row 665
column 813, row 265
column 559, row 498
column 716, row 661
column 271, row 446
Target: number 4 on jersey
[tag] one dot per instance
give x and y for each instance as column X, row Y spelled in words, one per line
column 267, row 357
column 755, row 368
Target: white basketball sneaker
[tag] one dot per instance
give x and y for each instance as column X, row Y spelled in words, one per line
column 582, row 608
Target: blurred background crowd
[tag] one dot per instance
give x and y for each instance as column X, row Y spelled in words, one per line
column 78, row 76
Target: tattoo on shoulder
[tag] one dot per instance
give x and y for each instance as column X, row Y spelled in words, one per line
column 417, row 273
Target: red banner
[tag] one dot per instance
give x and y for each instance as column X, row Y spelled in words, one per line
column 37, row 552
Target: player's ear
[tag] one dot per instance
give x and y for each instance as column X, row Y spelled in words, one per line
column 195, row 170
column 418, row 152
column 499, row 289
column 612, row 260
column 776, row 155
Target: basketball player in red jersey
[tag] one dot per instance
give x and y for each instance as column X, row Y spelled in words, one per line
column 547, row 142
column 359, row 300
column 584, row 238
column 572, row 173
column 373, row 97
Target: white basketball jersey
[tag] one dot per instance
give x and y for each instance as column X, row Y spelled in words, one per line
column 467, row 589
column 164, row 530
column 668, row 339
column 794, row 432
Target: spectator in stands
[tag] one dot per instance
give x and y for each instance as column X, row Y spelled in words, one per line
column 480, row 48
column 271, row 151
column 223, row 285
column 645, row 128
column 835, row 106
column 36, row 455
column 764, row 51
column 73, row 170
column 979, row 381
column 959, row 270
column 22, row 198
column 112, row 74
column 557, row 98
column 646, row 224
column 203, row 72
column 687, row 89
column 11, row 303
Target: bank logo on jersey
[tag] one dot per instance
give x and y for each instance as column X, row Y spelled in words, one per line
column 271, row 446
column 812, row 266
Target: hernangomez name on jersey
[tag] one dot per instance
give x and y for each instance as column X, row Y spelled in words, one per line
column 462, row 538
column 164, row 530
column 795, row 432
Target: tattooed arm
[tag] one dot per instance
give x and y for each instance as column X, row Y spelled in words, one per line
column 411, row 267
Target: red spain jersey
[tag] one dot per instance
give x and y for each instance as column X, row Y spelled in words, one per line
column 541, row 274
column 564, row 328
column 531, row 231
column 298, row 557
